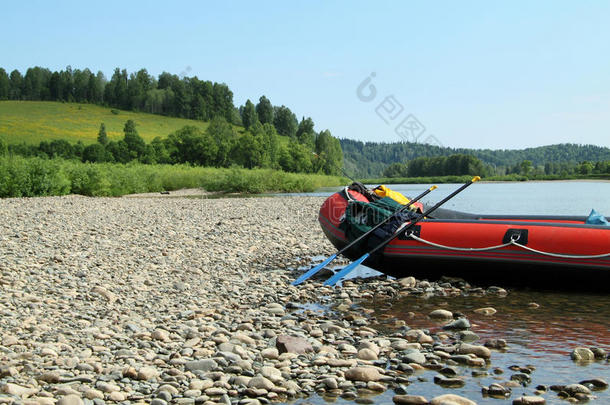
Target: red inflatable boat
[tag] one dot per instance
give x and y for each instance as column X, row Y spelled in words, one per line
column 494, row 248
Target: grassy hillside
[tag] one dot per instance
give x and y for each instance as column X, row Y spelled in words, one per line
column 35, row 121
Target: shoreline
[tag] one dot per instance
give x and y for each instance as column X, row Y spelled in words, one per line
column 188, row 301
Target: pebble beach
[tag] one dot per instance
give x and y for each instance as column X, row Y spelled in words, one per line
column 178, row 299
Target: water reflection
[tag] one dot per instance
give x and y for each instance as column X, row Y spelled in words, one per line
column 541, row 329
column 543, row 322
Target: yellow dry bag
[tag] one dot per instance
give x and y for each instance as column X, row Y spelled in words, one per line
column 383, row 191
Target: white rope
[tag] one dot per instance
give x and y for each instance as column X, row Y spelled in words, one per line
column 417, row 238
column 512, row 242
column 561, row 255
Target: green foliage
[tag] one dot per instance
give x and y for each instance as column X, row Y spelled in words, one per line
column 249, row 116
column 396, row 170
column 370, row 159
column 57, row 148
column 305, row 132
column 135, row 144
column 285, row 121
column 4, row 85
column 95, row 152
column 329, row 153
column 264, row 110
column 300, row 160
column 102, row 136
column 3, row 147
column 222, row 133
column 248, row 151
column 192, row 145
column 458, row 164
column 28, row 177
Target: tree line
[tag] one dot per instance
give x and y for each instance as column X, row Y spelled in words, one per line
column 461, row 164
column 370, row 159
column 457, row 164
column 168, row 94
column 218, row 146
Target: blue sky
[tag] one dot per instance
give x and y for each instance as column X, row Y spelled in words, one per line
column 469, row 74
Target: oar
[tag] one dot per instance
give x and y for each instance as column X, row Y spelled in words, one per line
column 347, row 269
column 320, row 266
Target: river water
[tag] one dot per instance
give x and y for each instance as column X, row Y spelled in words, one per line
column 544, row 198
column 541, row 335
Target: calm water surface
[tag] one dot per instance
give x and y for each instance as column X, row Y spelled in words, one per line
column 542, row 336
column 543, row 198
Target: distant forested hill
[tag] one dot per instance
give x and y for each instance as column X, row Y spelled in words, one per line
column 370, row 159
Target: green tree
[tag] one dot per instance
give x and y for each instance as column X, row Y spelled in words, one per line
column 119, row 151
column 81, row 85
column 66, row 84
column 102, row 137
column 396, row 170
column 36, row 84
column 58, row 148
column 135, row 144
column 267, row 140
column 301, row 157
column 525, row 167
column 16, row 85
column 264, row 110
column 248, row 151
column 585, row 168
column 222, row 101
column 305, row 132
column 249, row 117
column 285, row 121
column 271, row 146
column 95, row 88
column 116, row 93
column 95, row 153
column 5, row 85
column 329, row 153
column 138, row 85
column 221, row 132
column 191, row 145
column 160, row 151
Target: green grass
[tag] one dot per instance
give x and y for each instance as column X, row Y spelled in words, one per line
column 30, row 177
column 35, row 121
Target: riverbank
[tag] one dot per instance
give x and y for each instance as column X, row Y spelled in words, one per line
column 33, row 177
column 188, row 301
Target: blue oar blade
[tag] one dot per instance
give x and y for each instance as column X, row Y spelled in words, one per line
column 345, row 271
column 313, row 271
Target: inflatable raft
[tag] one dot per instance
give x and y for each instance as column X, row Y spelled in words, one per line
column 532, row 250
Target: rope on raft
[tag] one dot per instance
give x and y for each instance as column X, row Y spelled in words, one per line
column 512, row 242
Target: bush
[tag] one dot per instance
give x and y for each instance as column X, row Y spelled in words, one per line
column 27, row 177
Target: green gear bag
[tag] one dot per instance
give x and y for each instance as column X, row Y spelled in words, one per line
column 361, row 216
